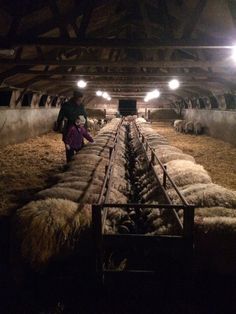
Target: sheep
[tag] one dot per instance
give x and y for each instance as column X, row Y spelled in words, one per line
column 47, row 229
column 214, row 239
column 95, row 173
column 141, row 120
column 90, row 125
column 178, row 125
column 117, row 197
column 198, row 128
column 185, row 172
column 90, row 195
column 206, row 195
column 188, row 127
column 169, row 156
column 214, row 212
column 80, row 185
column 156, row 142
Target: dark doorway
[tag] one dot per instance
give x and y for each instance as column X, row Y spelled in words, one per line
column 127, row 107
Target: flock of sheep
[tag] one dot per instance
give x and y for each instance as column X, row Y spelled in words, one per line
column 215, row 213
column 54, row 224
column 188, row 126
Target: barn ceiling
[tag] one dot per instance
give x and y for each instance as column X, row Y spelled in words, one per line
column 125, row 47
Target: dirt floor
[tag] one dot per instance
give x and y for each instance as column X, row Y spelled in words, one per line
column 217, row 156
column 27, row 167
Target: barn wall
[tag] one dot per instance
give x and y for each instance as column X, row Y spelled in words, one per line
column 219, row 124
column 111, row 109
column 17, row 125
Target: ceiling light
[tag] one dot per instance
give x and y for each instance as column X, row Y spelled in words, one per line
column 151, row 95
column 81, row 84
column 109, row 98
column 234, row 53
column 174, row 84
column 98, row 93
column 105, row 95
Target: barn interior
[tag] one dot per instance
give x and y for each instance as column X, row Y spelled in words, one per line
column 158, row 83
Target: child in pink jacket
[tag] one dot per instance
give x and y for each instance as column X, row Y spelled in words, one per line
column 73, row 138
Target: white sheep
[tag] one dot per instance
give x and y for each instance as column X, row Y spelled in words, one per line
column 47, row 229
column 206, row 195
column 69, row 193
column 179, row 125
column 188, row 127
column 198, row 128
column 169, row 156
column 185, row 172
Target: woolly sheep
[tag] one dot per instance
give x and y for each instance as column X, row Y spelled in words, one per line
column 206, row 195
column 96, row 174
column 46, row 229
column 179, row 125
column 169, row 156
column 72, row 194
column 188, row 127
column 185, row 172
column 198, row 128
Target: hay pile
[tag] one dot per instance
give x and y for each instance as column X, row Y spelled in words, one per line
column 27, row 167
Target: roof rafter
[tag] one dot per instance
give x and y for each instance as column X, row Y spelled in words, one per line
column 149, row 43
column 129, row 63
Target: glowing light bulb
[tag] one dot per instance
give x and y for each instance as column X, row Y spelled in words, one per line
column 174, row 84
column 105, row 95
column 98, row 93
column 81, row 84
column 234, row 53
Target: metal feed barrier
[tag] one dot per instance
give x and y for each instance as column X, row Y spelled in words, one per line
column 181, row 245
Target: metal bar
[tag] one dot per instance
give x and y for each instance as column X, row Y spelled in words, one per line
column 167, row 175
column 109, row 168
column 143, row 241
column 97, row 234
column 158, row 180
column 164, row 178
column 189, row 223
column 136, row 206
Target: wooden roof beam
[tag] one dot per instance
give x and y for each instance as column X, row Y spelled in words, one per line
column 119, row 64
column 173, row 73
column 58, row 18
column 81, row 31
column 193, row 19
column 119, row 43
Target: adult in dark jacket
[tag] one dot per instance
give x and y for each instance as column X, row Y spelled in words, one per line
column 70, row 111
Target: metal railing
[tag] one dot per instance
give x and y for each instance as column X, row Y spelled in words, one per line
column 99, row 212
column 152, row 162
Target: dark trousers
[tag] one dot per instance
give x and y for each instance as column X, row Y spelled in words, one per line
column 70, row 153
